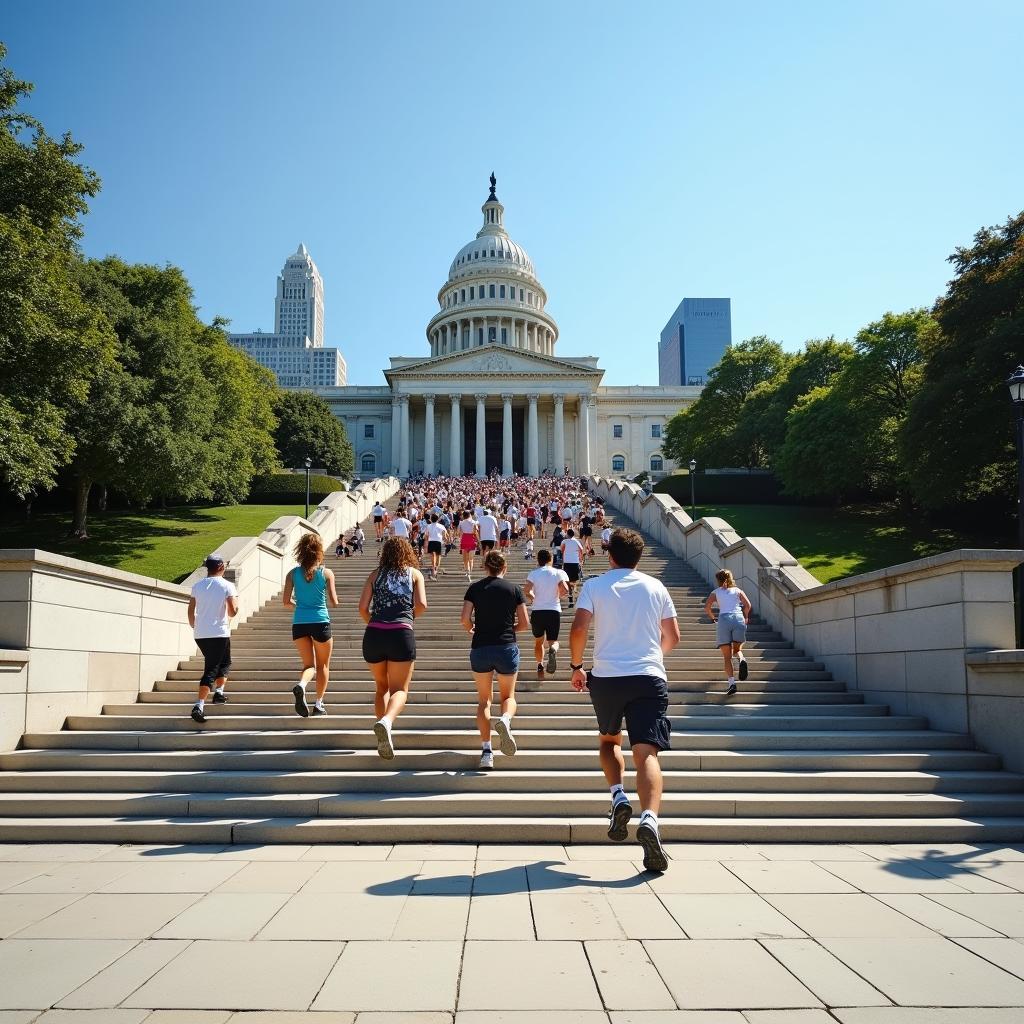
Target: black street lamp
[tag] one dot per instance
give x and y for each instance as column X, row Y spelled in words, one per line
column 309, row 464
column 1016, row 385
column 693, row 493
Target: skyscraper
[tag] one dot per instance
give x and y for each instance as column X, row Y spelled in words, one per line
column 694, row 339
column 299, row 306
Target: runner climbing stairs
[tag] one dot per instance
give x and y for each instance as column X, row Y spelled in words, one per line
column 792, row 757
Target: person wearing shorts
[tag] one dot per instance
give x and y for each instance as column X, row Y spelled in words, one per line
column 635, row 626
column 307, row 589
column 437, row 537
column 544, row 588
column 493, row 611
column 730, row 625
column 488, row 531
column 469, row 533
column 214, row 602
column 379, row 512
column 393, row 595
column 572, row 562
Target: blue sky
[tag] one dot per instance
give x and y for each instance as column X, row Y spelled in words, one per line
column 815, row 162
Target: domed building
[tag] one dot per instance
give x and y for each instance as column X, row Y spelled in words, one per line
column 492, row 393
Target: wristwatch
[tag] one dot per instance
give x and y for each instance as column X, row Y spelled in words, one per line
column 576, row 668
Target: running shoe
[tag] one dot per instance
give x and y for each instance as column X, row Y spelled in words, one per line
column 654, row 853
column 301, row 707
column 505, row 738
column 319, row 709
column 552, row 660
column 618, row 819
column 486, row 761
column 198, row 715
column 731, row 692
column 219, row 698
column 385, row 745
column 744, row 669
column 540, row 671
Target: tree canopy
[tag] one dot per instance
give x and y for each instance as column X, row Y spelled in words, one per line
column 306, row 427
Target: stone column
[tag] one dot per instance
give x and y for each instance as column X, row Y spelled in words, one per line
column 428, row 436
column 472, row 331
column 481, row 436
column 455, row 442
column 403, row 451
column 583, row 467
column 559, row 454
column 532, row 447
column 396, row 433
column 506, row 436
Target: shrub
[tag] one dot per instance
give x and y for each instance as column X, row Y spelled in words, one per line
column 726, row 489
column 282, row 488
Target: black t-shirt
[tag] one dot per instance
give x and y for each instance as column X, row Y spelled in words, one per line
column 496, row 602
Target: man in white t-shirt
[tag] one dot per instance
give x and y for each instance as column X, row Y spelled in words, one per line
column 437, row 537
column 573, row 556
column 544, row 589
column 214, row 602
column 606, row 536
column 400, row 526
column 635, row 626
column 379, row 512
column 488, row 531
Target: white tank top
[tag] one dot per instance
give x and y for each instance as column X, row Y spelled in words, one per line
column 728, row 599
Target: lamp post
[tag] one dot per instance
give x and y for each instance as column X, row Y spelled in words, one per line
column 693, row 493
column 1015, row 383
column 309, row 464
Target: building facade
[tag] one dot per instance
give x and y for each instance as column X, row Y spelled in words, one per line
column 694, row 339
column 295, row 351
column 491, row 392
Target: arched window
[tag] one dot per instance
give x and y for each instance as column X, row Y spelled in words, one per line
column 657, row 464
column 369, row 463
column 618, row 464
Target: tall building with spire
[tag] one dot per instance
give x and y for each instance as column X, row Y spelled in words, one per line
column 295, row 350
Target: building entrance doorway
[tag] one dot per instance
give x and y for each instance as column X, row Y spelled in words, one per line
column 494, row 443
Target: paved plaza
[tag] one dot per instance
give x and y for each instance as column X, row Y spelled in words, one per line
column 417, row 934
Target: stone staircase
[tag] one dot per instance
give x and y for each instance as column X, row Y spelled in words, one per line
column 792, row 757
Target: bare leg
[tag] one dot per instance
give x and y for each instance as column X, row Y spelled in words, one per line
column 322, row 652
column 484, row 685
column 538, row 650
column 726, row 650
column 379, row 671
column 507, row 689
column 648, row 776
column 613, row 764
column 304, row 645
column 399, row 678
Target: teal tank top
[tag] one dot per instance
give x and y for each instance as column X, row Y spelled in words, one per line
column 310, row 596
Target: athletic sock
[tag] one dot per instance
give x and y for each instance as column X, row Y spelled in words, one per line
column 732, row 679
column 200, row 703
column 220, row 690
column 617, row 789
column 651, row 818
column 554, row 645
column 487, row 747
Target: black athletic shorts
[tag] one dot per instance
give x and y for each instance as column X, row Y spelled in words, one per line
column 433, row 547
column 378, row 519
column 641, row 700
column 388, row 645
column 572, row 570
column 487, row 545
column 586, row 531
column 318, row 631
column 546, row 623
column 216, row 657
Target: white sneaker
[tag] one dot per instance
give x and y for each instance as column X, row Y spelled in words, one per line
column 385, row 745
column 486, row 761
column 505, row 738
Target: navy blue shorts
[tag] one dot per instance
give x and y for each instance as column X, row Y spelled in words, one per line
column 500, row 658
column 641, row 700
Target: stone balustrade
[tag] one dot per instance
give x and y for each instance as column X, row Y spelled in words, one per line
column 931, row 637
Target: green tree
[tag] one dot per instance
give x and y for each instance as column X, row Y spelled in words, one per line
column 52, row 345
column 307, row 427
column 957, row 443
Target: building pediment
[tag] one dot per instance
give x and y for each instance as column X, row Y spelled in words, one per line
column 493, row 361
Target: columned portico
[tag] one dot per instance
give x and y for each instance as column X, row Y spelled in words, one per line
column 455, row 439
column 403, row 451
column 396, row 434
column 559, row 435
column 428, row 436
column 583, row 462
column 532, row 446
column 506, row 436
column 481, row 436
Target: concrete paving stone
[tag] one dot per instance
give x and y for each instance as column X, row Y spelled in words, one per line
column 858, row 916
column 725, row 975
column 828, row 978
column 787, row 876
column 400, row 1017
column 247, row 976
column 610, row 851
column 789, row 1017
column 335, row 916
column 712, row 851
column 269, row 851
column 929, row 971
column 969, row 877
column 433, row 851
column 574, row 916
column 588, row 876
column 76, row 877
column 677, row 1017
column 529, row 1017
column 559, row 977
column 643, row 916
column 504, row 916
column 118, row 981
column 1010, row 874
column 1005, row 953
column 18, row 1016
column 163, row 852
column 37, row 973
column 347, row 851
column 189, row 1017
column 875, row 851
column 935, row 916
column 291, row 1017
column 433, row 918
column 17, row 873
column 626, row 977
column 1003, row 913
column 19, row 910
column 808, row 851
column 929, row 1015
column 111, row 916
column 389, row 878
column 959, row 852
column 440, row 878
column 729, row 916
column 58, row 851
column 511, row 851
column 890, row 876
column 366, row 977
column 499, row 877
column 93, row 1017
column 225, row 915
column 699, row 876
column 272, row 877
column 167, row 877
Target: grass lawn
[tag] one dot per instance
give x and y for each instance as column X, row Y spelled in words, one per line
column 835, row 542
column 168, row 545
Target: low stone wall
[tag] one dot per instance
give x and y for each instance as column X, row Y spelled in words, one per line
column 75, row 636
column 930, row 637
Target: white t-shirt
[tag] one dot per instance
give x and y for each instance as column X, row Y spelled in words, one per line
column 488, row 527
column 435, row 532
column 606, row 535
column 505, row 526
column 545, row 582
column 400, row 527
column 211, row 596
column 628, row 608
column 478, row 511
column 379, row 510
column 572, row 549
column 467, row 525
column 728, row 599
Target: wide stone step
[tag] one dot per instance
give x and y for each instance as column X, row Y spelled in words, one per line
column 452, row 675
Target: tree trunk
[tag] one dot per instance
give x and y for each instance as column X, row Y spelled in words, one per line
column 78, row 526
column 101, row 505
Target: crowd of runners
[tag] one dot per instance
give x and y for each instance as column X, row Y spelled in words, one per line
column 548, row 521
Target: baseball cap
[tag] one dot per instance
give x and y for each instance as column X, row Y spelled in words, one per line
column 213, row 562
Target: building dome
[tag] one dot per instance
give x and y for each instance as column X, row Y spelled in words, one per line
column 492, row 295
